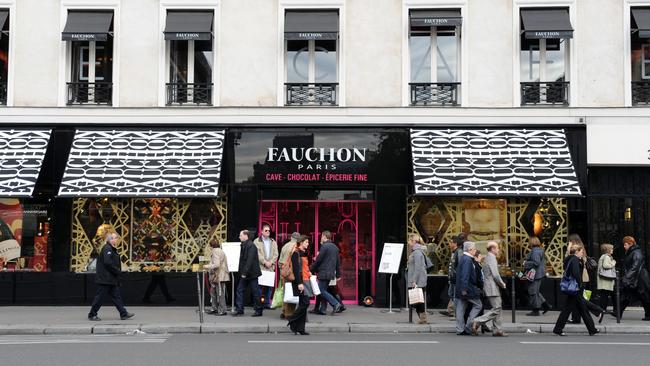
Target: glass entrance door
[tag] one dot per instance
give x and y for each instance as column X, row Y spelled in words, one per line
column 350, row 222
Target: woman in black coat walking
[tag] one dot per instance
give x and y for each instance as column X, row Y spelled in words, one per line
column 573, row 267
column 300, row 285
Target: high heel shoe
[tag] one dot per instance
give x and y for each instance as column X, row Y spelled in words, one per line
column 302, row 332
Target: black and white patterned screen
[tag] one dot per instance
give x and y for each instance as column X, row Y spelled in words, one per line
column 21, row 156
column 492, row 162
column 139, row 163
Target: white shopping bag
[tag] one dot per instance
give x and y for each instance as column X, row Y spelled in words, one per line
column 267, row 279
column 416, row 296
column 314, row 285
column 288, row 294
column 332, row 282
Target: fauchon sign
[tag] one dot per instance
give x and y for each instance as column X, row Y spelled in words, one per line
column 432, row 22
column 188, row 36
column 549, row 34
column 312, row 158
column 84, row 37
column 310, row 35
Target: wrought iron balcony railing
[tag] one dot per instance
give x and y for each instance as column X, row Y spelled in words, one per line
column 3, row 93
column 189, row 93
column 434, row 94
column 311, row 94
column 90, row 93
column 641, row 93
column 545, row 93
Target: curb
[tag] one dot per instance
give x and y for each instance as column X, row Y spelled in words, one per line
column 279, row 328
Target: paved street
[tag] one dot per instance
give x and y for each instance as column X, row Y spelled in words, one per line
column 323, row 349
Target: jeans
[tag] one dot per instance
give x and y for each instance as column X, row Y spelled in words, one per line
column 493, row 315
column 461, row 305
column 116, row 297
column 323, row 285
column 255, row 292
column 266, row 293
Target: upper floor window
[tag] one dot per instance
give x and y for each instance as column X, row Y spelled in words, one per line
column 544, row 56
column 640, row 21
column 311, row 57
column 434, row 47
column 190, row 56
column 4, row 54
column 90, row 34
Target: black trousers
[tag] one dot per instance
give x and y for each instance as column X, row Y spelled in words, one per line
column 603, row 298
column 575, row 302
column 114, row 292
column 419, row 308
column 299, row 317
column 632, row 296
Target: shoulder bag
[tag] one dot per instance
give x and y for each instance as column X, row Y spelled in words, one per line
column 608, row 274
column 287, row 270
column 568, row 284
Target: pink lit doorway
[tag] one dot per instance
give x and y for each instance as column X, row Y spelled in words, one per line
column 352, row 224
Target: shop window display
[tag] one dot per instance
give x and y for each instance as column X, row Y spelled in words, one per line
column 507, row 221
column 158, row 234
column 24, row 233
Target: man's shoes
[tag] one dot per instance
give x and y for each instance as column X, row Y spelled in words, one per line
column 342, row 309
column 600, row 317
column 94, row 318
column 222, row 314
column 533, row 313
column 475, row 327
column 445, row 313
column 211, row 311
column 500, row 334
column 596, row 331
column 301, row 332
column 257, row 314
column 238, row 313
column 127, row 316
column 559, row 332
column 463, row 333
column 545, row 308
column 337, row 309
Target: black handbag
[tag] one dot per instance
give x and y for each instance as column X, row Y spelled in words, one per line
column 591, row 264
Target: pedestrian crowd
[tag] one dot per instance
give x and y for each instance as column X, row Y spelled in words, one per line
column 473, row 278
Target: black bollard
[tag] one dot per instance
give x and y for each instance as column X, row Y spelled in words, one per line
column 513, row 299
column 618, row 300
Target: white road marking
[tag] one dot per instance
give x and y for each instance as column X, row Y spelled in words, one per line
column 347, row 342
column 591, row 343
column 75, row 340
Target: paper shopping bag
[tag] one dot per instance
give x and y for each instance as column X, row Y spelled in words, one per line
column 267, row 279
column 314, row 285
column 288, row 294
column 416, row 296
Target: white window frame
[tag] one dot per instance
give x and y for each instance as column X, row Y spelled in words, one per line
column 92, row 63
column 627, row 45
column 311, row 54
column 164, row 48
column 463, row 54
column 11, row 5
column 65, row 48
column 283, row 6
column 571, row 62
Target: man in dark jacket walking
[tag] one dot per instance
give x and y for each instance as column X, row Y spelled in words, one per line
column 249, row 271
column 328, row 267
column 107, row 279
column 636, row 282
column 468, row 292
column 456, row 249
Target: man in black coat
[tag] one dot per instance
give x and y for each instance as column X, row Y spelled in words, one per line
column 107, row 279
column 328, row 267
column 636, row 281
column 468, row 292
column 249, row 271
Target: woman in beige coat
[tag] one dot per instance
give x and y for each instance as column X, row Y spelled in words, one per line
column 218, row 268
column 605, row 285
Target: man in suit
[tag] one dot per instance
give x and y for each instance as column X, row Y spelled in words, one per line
column 249, row 271
column 491, row 287
column 467, row 290
column 328, row 267
column 267, row 253
column 109, row 268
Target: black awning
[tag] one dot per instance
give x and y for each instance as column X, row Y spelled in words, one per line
column 492, row 162
column 311, row 25
column 546, row 23
column 4, row 14
column 21, row 157
column 642, row 20
column 139, row 163
column 189, row 25
column 87, row 25
column 435, row 18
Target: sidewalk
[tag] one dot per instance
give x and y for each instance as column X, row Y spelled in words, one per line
column 21, row 320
